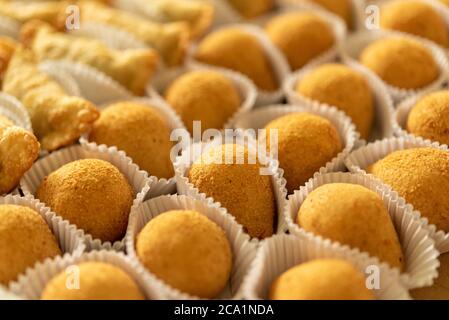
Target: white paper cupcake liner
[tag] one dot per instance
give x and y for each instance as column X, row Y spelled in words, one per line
column 31, row 284
column 13, row 109
column 282, row 252
column 259, row 118
column 243, row 249
column 278, row 62
column 94, row 85
column 5, row 294
column 9, row 27
column 191, row 153
column 360, row 159
column 70, row 240
column 418, row 247
column 383, row 105
column 355, row 43
column 138, row 179
column 336, row 24
column 62, row 77
column 246, row 88
column 158, row 186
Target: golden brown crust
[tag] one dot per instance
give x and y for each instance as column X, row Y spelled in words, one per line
column 401, row 62
column 132, row 68
column 18, row 150
column 342, row 8
column 415, row 17
column 25, row 239
column 139, row 130
column 188, row 251
column 23, row 11
column 58, row 119
column 308, row 36
column 421, row 176
column 321, row 279
column 240, row 51
column 252, row 9
column 306, row 142
column 205, row 96
column 344, row 88
column 98, row 281
column 92, row 194
column 352, row 215
column 240, row 188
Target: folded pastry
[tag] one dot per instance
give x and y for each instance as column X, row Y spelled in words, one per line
column 132, row 68
column 18, row 150
column 170, row 40
column 23, row 11
column 199, row 15
column 57, row 118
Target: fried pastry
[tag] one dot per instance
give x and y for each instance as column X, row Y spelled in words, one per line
column 132, row 68
column 198, row 15
column 250, row 8
column 169, row 40
column 58, row 119
column 18, row 150
column 23, row 11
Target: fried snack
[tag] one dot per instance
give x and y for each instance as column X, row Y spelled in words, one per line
column 429, row 118
column 132, row 68
column 401, row 62
column 25, row 239
column 239, row 187
column 18, row 150
column 170, row 40
column 340, row 86
column 98, row 281
column 446, row 2
column 186, row 250
column 321, row 279
column 238, row 50
column 139, row 130
column 308, row 36
column 440, row 288
column 58, row 119
column 23, row 11
column 199, row 15
column 306, row 142
column 415, row 17
column 205, row 96
column 342, row 8
column 92, row 194
column 421, row 176
column 355, row 216
column 250, row 8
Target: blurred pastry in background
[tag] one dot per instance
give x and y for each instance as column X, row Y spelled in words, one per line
column 250, row 8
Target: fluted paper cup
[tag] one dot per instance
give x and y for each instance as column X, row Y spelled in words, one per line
column 14, row 110
column 243, row 249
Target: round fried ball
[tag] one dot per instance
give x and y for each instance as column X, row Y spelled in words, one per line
column 429, row 118
column 401, row 62
column 252, row 9
column 139, row 130
column 238, row 186
column 344, row 88
column 301, row 36
column 92, row 194
column 205, row 96
column 421, row 176
column 440, row 288
column 97, row 281
column 240, row 51
column 415, row 17
column 186, row 250
column 352, row 215
column 306, row 142
column 341, row 8
column 321, row 279
column 25, row 239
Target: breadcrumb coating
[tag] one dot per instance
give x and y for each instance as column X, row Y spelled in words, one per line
column 25, row 239
column 92, row 194
column 239, row 187
column 421, row 176
column 188, row 251
column 97, row 281
column 352, row 215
